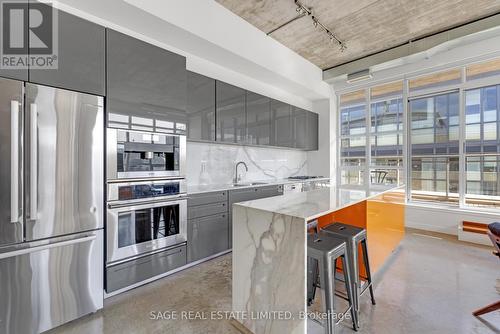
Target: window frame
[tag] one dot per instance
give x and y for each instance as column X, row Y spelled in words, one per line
column 407, row 96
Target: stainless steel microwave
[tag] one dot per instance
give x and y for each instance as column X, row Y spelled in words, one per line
column 140, row 154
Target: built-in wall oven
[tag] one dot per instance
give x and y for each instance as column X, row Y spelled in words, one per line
column 144, row 217
column 135, row 154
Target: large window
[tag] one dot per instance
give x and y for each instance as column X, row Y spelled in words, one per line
column 482, row 146
column 371, row 137
column 353, row 138
column 434, row 147
column 386, row 135
column 453, row 131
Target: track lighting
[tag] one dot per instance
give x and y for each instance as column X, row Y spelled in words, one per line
column 304, row 11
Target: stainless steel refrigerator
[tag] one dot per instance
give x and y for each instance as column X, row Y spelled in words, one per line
column 51, row 206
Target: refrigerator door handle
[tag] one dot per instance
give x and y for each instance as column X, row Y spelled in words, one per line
column 14, row 161
column 33, row 161
column 29, row 250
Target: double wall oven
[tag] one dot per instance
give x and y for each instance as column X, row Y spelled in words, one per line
column 146, row 206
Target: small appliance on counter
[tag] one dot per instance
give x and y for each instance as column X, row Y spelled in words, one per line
column 305, row 183
column 146, row 207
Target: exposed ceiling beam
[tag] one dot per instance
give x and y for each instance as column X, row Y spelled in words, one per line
column 411, row 47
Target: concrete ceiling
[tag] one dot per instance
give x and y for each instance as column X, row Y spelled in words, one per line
column 366, row 26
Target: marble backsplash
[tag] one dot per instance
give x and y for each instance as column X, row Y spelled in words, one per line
column 214, row 163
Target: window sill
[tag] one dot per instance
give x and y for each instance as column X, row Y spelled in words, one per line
column 454, row 208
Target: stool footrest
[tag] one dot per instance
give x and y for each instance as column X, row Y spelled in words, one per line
column 365, row 287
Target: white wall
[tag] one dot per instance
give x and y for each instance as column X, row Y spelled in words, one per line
column 322, row 161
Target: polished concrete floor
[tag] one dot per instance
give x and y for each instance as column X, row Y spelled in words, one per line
column 430, row 285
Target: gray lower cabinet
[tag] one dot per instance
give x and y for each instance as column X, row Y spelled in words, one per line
column 199, row 211
column 258, row 109
column 207, row 236
column 208, row 224
column 145, row 81
column 248, row 194
column 143, row 268
column 200, row 107
column 230, row 113
column 81, row 56
column 207, row 198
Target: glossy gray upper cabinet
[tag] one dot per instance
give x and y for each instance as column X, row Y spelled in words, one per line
column 18, row 74
column 312, row 131
column 80, row 56
column 200, row 107
column 300, row 128
column 258, row 119
column 231, row 115
column 282, row 124
column 145, row 84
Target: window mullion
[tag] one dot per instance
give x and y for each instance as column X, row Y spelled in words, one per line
column 406, row 139
column 368, row 150
column 462, row 182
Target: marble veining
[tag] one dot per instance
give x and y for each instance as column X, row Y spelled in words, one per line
column 269, row 270
column 214, row 163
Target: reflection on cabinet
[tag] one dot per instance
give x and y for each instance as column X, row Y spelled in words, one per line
column 145, row 82
column 80, row 55
column 248, row 118
column 282, row 130
column 258, row 119
column 231, row 115
column 207, row 236
column 312, row 131
column 300, row 135
column 200, row 107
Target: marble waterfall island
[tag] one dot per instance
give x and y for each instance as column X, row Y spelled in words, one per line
column 270, row 249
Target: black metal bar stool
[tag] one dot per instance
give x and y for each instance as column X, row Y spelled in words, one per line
column 326, row 249
column 353, row 236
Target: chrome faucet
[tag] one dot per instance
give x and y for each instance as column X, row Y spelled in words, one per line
column 237, row 177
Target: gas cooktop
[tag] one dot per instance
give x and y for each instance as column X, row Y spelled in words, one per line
column 304, row 177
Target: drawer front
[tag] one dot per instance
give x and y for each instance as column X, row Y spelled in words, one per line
column 206, row 210
column 270, row 191
column 207, row 236
column 242, row 195
column 207, row 198
column 135, row 271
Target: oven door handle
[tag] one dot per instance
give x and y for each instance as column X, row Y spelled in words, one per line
column 147, row 205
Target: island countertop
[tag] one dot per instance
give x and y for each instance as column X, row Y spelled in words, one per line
column 315, row 203
column 270, row 247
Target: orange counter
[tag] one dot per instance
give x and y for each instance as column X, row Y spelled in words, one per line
column 383, row 218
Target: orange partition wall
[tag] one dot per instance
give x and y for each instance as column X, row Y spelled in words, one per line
column 383, row 217
column 385, row 227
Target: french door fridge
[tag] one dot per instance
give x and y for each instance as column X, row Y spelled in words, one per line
column 51, row 206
